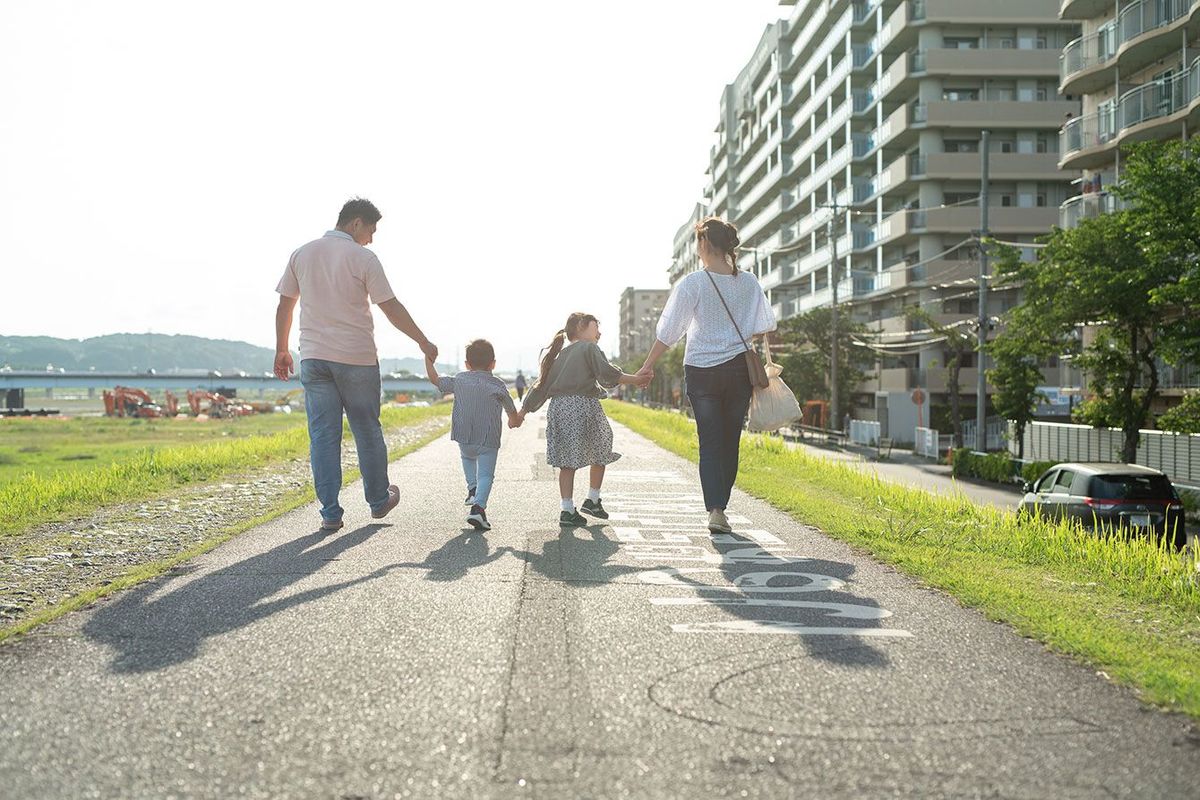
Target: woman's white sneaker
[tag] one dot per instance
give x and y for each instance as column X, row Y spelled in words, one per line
column 718, row 522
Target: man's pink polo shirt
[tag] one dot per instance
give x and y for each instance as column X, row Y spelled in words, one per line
column 336, row 280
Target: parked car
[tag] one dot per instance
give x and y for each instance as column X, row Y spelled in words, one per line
column 1124, row 496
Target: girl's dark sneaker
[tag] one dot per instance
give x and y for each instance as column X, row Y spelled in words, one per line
column 478, row 519
column 470, row 497
column 571, row 519
column 594, row 509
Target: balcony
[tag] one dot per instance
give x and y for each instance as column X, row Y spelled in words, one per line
column 897, row 32
column 990, row 62
column 1003, row 220
column 1002, row 166
column 1087, row 206
column 1083, row 9
column 993, row 114
column 1154, row 110
column 1001, row 12
column 1145, row 31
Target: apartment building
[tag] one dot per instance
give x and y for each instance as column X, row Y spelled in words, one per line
column 855, row 127
column 639, row 312
column 1136, row 67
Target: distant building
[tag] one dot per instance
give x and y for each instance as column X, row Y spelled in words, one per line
column 862, row 119
column 640, row 309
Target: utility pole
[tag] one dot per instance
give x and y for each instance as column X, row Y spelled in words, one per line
column 981, row 382
column 833, row 320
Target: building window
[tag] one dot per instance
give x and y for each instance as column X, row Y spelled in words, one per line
column 961, row 42
column 961, row 95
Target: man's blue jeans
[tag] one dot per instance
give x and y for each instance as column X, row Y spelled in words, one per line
column 331, row 388
column 479, row 468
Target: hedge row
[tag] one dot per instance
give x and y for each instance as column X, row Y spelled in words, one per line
column 998, row 467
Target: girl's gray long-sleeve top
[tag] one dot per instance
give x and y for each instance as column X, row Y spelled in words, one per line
column 580, row 369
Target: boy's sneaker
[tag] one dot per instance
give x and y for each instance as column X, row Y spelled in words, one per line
column 478, row 519
column 571, row 519
column 594, row 509
column 470, row 497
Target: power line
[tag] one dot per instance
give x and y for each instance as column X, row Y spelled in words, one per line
column 853, row 212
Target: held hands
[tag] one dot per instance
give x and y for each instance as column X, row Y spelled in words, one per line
column 430, row 350
column 644, row 375
column 284, row 366
column 516, row 420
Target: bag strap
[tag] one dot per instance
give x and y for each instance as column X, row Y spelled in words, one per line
column 727, row 311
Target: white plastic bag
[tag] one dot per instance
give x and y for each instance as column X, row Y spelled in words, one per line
column 775, row 406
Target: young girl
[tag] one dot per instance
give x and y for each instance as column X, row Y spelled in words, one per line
column 577, row 432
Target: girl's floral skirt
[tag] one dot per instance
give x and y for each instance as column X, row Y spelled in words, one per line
column 577, row 433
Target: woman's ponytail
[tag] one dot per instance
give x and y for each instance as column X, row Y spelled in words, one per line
column 721, row 235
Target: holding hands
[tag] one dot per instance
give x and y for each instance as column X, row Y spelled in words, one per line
column 516, row 420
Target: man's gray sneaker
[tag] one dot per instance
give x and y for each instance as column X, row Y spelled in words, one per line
column 331, row 524
column 392, row 501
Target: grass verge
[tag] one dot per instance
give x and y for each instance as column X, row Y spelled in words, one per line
column 1130, row 608
column 288, row 502
column 36, row 499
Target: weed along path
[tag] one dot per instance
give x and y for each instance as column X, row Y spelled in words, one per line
column 169, row 505
column 642, row 657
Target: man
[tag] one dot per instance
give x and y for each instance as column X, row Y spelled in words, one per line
column 521, row 385
column 333, row 278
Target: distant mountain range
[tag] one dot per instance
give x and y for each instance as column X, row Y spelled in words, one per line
column 138, row 352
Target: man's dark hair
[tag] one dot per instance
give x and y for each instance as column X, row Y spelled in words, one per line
column 480, row 354
column 359, row 208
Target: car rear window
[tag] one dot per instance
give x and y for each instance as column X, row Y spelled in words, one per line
column 1131, row 487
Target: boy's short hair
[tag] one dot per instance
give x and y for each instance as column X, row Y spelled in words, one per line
column 359, row 208
column 480, row 354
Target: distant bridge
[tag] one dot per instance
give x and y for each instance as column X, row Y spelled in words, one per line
column 245, row 385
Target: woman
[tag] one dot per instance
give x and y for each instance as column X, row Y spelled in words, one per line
column 718, row 382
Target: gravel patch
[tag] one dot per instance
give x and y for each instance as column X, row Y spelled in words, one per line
column 55, row 562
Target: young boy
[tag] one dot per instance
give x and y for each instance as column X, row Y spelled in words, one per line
column 475, row 422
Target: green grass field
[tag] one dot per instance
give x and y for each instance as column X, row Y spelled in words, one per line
column 43, row 446
column 1127, row 607
column 61, row 472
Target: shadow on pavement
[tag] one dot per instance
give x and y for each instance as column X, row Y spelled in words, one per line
column 577, row 560
column 150, row 633
column 457, row 557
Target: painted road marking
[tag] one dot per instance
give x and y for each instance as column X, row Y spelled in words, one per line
column 660, row 524
column 846, row 610
column 777, row 627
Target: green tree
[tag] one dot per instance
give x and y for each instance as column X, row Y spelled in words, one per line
column 1131, row 274
column 1015, row 376
column 805, row 356
column 1183, row 418
column 959, row 342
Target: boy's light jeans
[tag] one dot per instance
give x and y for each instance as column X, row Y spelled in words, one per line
column 479, row 467
column 329, row 389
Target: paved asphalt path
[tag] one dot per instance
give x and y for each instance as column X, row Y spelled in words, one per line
column 642, row 658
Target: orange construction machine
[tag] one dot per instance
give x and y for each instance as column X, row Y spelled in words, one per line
column 219, row 406
column 125, row 401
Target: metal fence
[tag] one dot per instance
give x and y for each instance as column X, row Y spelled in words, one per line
column 930, row 443
column 1177, row 454
column 863, row 431
column 996, row 433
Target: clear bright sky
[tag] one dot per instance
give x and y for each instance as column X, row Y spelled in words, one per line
column 159, row 161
